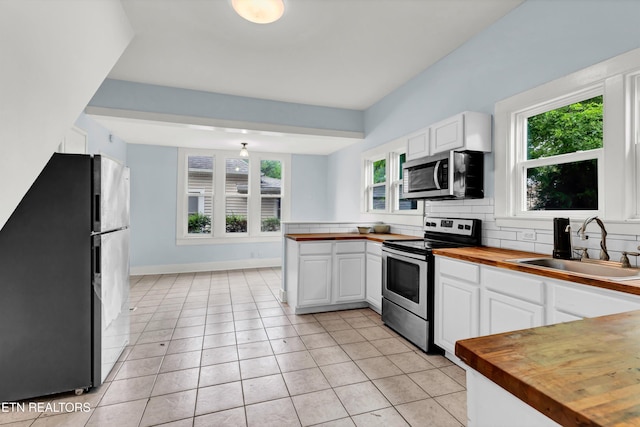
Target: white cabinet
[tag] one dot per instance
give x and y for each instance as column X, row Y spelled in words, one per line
column 74, row 142
column 510, row 301
column 418, row 144
column 488, row 404
column 350, row 276
column 457, row 302
column 323, row 274
column 315, row 280
column 374, row 276
column 465, row 131
column 572, row 301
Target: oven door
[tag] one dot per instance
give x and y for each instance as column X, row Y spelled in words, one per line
column 404, row 280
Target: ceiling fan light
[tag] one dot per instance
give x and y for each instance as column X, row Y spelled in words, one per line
column 259, row 11
column 243, row 151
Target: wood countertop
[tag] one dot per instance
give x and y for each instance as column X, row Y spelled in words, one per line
column 497, row 257
column 582, row 373
column 306, row 237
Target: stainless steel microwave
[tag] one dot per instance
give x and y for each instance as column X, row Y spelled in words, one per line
column 448, row 175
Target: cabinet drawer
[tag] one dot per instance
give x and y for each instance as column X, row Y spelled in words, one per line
column 315, row 248
column 587, row 301
column 349, row 247
column 374, row 248
column 459, row 269
column 519, row 285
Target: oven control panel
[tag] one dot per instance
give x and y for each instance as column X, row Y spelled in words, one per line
column 463, row 227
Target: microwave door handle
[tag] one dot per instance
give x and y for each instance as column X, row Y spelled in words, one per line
column 436, row 171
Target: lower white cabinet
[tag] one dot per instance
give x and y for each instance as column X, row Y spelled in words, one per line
column 573, row 301
column 322, row 274
column 457, row 302
column 510, row 301
column 473, row 299
column 350, row 277
column 502, row 313
column 315, row 280
column 374, row 276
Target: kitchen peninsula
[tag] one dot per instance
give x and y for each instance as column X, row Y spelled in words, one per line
column 553, row 371
column 582, row 373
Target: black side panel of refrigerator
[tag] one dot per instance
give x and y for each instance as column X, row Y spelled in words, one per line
column 45, row 284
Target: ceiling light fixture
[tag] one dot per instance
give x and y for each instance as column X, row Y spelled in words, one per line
column 259, row 11
column 243, row 151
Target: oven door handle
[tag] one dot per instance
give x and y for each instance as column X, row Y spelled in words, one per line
column 401, row 254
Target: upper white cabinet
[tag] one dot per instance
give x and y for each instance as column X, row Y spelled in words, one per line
column 418, row 144
column 74, row 142
column 465, row 131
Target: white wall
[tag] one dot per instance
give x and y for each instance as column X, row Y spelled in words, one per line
column 54, row 56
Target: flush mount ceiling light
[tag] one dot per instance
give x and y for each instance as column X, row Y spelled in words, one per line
column 259, row 11
column 243, row 151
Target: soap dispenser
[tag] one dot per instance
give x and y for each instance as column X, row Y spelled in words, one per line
column 561, row 238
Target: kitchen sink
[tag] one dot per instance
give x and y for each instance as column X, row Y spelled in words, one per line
column 600, row 269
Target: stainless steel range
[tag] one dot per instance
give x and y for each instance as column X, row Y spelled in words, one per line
column 408, row 280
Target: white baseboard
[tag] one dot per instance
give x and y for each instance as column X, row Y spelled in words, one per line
column 142, row 270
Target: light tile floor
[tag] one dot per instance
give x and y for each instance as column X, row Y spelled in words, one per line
column 218, row 349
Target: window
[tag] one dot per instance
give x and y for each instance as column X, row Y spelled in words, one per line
column 382, row 181
column 270, row 195
column 402, row 204
column 560, row 153
column 222, row 197
column 199, row 194
column 377, row 185
column 568, row 148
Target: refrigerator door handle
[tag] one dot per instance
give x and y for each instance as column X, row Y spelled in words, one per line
column 96, row 260
column 97, row 210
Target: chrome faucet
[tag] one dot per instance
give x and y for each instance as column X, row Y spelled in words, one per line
column 604, row 255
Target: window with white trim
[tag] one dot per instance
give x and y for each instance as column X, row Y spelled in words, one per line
column 382, row 180
column 568, row 148
column 224, row 197
column 559, row 150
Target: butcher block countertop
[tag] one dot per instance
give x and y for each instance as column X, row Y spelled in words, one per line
column 582, row 373
column 306, row 237
column 497, row 257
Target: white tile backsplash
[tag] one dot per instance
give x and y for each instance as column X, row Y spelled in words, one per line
column 512, row 238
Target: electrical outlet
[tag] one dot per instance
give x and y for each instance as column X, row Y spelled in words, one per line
column 529, row 235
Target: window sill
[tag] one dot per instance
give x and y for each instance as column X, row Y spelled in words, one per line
column 188, row 241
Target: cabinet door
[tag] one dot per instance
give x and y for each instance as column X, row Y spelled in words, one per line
column 418, row 145
column 350, row 275
column 315, row 280
column 456, row 312
column 573, row 301
column 447, row 134
column 502, row 313
column 374, row 281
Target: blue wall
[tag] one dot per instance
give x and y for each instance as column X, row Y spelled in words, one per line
column 539, row 41
column 154, row 172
